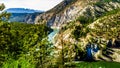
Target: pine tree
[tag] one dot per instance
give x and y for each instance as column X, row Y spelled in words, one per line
column 3, row 15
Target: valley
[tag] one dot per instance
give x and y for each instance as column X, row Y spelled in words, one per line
column 73, row 34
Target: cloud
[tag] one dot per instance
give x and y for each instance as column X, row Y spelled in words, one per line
column 32, row 4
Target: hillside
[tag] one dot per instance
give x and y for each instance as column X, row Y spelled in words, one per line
column 103, row 32
column 86, row 24
column 70, row 10
column 73, row 34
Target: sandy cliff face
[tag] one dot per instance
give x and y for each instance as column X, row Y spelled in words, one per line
column 70, row 10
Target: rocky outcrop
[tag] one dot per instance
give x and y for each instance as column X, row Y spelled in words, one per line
column 70, row 10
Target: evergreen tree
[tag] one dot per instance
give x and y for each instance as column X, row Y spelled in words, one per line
column 3, row 15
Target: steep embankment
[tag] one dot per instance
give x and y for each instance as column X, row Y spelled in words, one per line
column 70, row 10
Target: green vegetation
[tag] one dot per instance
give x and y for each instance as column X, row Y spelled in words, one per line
column 21, row 63
column 4, row 16
column 99, row 64
column 23, row 45
column 24, row 40
column 80, row 32
column 105, row 1
column 27, row 45
column 86, row 21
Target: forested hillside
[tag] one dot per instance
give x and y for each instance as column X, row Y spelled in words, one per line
column 23, row 45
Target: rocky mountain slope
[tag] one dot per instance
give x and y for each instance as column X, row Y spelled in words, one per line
column 103, row 32
column 70, row 10
column 87, row 23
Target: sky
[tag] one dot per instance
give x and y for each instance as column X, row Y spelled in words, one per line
column 31, row 4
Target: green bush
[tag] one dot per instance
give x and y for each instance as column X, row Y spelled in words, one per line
column 20, row 63
column 85, row 20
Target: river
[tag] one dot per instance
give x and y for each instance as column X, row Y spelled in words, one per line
column 52, row 35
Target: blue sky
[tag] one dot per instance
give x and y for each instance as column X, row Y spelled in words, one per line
column 32, row 4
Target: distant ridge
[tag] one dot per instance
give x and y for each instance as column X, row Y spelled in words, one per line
column 22, row 10
column 23, row 15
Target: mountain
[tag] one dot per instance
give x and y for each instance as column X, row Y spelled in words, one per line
column 83, row 30
column 70, row 10
column 21, row 10
column 23, row 15
column 86, row 24
column 104, row 33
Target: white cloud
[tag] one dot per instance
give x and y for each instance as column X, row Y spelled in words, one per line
column 32, row 4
